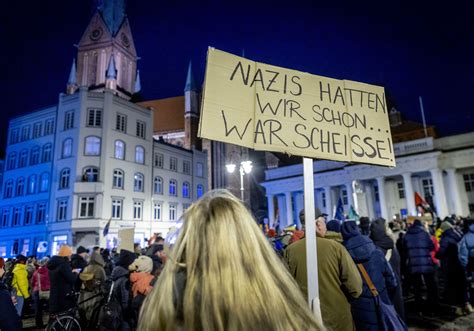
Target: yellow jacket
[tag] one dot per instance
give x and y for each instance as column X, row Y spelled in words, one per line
column 20, row 280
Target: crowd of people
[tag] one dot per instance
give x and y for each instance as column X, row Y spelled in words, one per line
column 224, row 273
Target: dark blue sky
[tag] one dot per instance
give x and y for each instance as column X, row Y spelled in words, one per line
column 412, row 49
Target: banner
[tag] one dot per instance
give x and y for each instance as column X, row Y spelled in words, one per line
column 271, row 108
column 125, row 239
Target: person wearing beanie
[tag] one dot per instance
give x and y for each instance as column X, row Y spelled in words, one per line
column 9, row 319
column 65, row 251
column 142, row 281
column 334, row 231
column 20, row 283
column 121, row 291
column 78, row 260
column 364, row 224
column 364, row 252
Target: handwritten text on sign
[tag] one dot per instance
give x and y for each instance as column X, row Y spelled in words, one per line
column 276, row 109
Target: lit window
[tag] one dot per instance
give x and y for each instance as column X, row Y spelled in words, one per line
column 62, row 209
column 64, row 176
column 137, row 210
column 138, row 182
column 173, row 185
column 8, row 190
column 47, row 153
column 117, row 209
column 119, row 151
column 157, row 211
column 121, row 123
column 91, row 174
column 139, row 154
column 185, row 190
column 117, row 181
column 69, row 120
column 23, row 161
column 86, row 207
column 92, row 146
column 67, row 148
column 44, row 182
column 172, row 212
column 32, row 183
column 94, row 118
column 20, row 187
column 158, row 185
column 199, row 191
column 35, row 155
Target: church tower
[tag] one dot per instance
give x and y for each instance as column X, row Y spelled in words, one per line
column 191, row 112
column 107, row 39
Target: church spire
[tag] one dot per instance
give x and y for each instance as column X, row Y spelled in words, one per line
column 138, row 84
column 113, row 14
column 72, row 80
column 111, row 75
column 190, row 84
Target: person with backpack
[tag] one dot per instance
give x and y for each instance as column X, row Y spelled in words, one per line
column 142, row 281
column 20, row 283
column 9, row 319
column 41, row 287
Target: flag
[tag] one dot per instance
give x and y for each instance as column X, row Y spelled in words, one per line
column 339, row 215
column 353, row 214
column 420, row 202
column 107, row 226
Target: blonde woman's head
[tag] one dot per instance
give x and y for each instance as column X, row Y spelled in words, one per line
column 223, row 275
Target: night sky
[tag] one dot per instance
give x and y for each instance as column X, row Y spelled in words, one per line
column 412, row 49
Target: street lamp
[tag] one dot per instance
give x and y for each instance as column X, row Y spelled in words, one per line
column 245, row 168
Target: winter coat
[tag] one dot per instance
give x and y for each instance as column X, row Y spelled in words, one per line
column 91, row 287
column 418, row 246
column 78, row 262
column 466, row 248
column 364, row 310
column 339, row 280
column 121, row 290
column 334, row 236
column 20, row 280
column 62, row 281
column 43, row 278
column 9, row 319
column 142, row 284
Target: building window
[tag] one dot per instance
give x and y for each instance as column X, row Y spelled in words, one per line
column 37, row 130
column 44, row 182
column 62, row 209
column 8, row 190
column 469, row 182
column 28, row 215
column 345, row 200
column 119, row 151
column 199, row 191
column 94, row 118
column 172, row 212
column 158, row 160
column 16, row 216
column 427, row 187
column 69, row 120
column 35, row 155
column 6, row 217
column 376, row 193
column 47, row 153
column 173, row 164
column 401, row 190
column 32, row 183
column 117, row 181
column 186, row 206
column 138, row 182
column 91, row 174
column 14, row 136
column 67, row 148
column 86, row 207
column 173, row 185
column 141, row 129
column 121, row 123
column 11, row 164
column 157, row 211
column 186, row 190
column 117, row 209
column 25, row 133
column 23, row 161
column 323, row 199
column 139, row 155
column 158, row 185
column 199, row 169
column 49, row 127
column 20, row 187
column 64, row 176
column 92, row 146
column 137, row 210
column 41, row 213
column 186, row 167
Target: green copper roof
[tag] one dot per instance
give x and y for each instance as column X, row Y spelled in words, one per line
column 113, row 13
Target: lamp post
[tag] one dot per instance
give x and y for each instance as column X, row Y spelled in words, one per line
column 245, row 168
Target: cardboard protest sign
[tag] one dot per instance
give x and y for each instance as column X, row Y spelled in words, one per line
column 125, row 238
column 271, row 108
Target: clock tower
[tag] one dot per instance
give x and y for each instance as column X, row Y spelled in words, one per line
column 108, row 38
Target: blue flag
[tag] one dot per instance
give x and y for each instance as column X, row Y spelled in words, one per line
column 106, row 228
column 339, row 215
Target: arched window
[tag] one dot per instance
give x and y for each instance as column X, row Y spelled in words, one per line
column 20, row 186
column 119, row 152
column 11, row 161
column 44, row 182
column 67, row 148
column 92, row 146
column 64, row 176
column 47, row 153
column 139, row 154
column 23, row 161
column 185, row 190
column 32, row 183
column 8, row 189
column 90, row 174
column 118, row 178
column 200, row 191
column 138, row 182
column 173, row 185
column 158, row 185
column 35, row 155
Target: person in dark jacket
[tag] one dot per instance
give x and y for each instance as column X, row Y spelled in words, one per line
column 418, row 245
column 378, row 234
column 9, row 319
column 364, row 224
column 62, row 279
column 78, row 260
column 121, row 292
column 456, row 288
column 363, row 251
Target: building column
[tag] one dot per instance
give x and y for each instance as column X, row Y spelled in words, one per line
column 382, row 199
column 328, row 193
column 350, row 196
column 455, row 192
column 289, row 209
column 409, row 194
column 271, row 210
column 439, row 193
column 369, row 196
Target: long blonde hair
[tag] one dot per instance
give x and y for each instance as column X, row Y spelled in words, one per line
column 233, row 279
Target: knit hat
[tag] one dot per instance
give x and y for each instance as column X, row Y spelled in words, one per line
column 446, row 226
column 349, row 229
column 141, row 264
column 82, row 249
column 333, row 225
column 65, row 251
column 21, row 258
column 126, row 258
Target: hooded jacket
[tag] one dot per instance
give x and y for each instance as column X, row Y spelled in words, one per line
column 466, row 247
column 121, row 290
column 20, row 280
column 62, row 281
column 418, row 246
column 141, row 283
column 43, row 274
